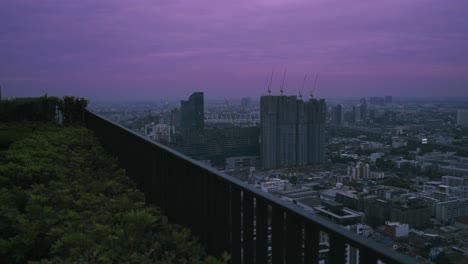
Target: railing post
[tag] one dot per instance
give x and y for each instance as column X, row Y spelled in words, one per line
column 337, row 252
column 277, row 239
column 248, row 227
column 293, row 239
column 236, row 221
column 261, row 231
column 226, row 214
column 311, row 243
column 221, row 219
column 366, row 256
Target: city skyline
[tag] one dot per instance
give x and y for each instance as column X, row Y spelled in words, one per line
column 122, row 50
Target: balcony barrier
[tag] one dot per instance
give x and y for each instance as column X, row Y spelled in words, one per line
column 228, row 215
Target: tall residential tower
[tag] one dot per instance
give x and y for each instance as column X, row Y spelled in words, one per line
column 292, row 131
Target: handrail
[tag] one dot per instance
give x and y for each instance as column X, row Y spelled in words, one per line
column 369, row 249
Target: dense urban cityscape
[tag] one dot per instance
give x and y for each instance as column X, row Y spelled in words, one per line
column 392, row 169
column 234, row 132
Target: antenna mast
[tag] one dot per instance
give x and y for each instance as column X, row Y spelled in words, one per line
column 271, row 80
column 282, row 84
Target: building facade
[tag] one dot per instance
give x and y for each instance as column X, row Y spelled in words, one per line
column 360, row 112
column 192, row 115
column 449, row 210
column 292, row 131
column 337, row 115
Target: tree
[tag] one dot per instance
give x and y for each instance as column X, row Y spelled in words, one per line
column 63, row 199
column 73, row 109
column 293, row 180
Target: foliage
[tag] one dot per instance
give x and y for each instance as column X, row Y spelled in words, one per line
column 397, row 182
column 293, row 180
column 11, row 132
column 356, row 185
column 335, row 159
column 43, row 109
column 64, row 200
column 385, row 165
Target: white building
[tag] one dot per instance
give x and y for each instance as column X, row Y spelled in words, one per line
column 275, row 185
column 396, row 229
column 358, row 171
column 160, row 132
column 449, row 210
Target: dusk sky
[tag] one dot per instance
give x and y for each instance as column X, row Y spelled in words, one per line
column 167, row 49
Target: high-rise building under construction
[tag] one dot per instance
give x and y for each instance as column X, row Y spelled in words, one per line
column 292, row 131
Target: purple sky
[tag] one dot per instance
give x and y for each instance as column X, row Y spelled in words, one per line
column 151, row 49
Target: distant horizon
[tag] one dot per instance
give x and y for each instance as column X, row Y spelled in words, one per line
column 120, row 49
column 207, row 97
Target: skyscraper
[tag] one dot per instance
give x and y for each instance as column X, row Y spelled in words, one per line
column 192, row 115
column 292, row 131
column 357, row 116
column 337, row 115
column 360, row 112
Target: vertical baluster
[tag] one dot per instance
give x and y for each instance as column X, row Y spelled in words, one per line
column 248, row 227
column 236, row 222
column 366, row 256
column 196, row 189
column 312, row 239
column 277, row 238
column 337, row 253
column 261, row 231
column 293, row 239
column 221, row 217
column 227, row 216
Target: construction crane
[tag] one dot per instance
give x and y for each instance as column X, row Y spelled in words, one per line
column 282, row 84
column 302, row 89
column 313, row 89
column 271, row 80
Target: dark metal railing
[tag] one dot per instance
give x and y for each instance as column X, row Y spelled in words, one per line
column 228, row 215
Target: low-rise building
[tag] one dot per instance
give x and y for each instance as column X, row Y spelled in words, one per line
column 396, row 229
column 242, row 162
column 337, row 213
column 358, row 171
column 449, row 210
column 398, row 142
column 431, row 186
column 454, row 180
column 274, row 185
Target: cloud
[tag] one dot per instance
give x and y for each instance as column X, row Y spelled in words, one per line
column 172, row 43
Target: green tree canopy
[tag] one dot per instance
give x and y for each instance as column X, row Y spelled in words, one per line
column 63, row 199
